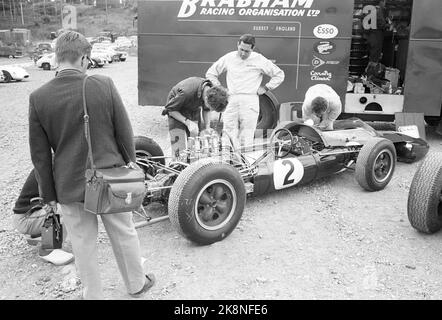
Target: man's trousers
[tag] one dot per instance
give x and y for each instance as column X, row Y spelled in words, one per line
column 241, row 117
column 82, row 227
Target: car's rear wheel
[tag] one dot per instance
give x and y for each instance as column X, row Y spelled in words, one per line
column 46, row 66
column 145, row 149
column 7, row 75
column 425, row 195
column 375, row 164
column 207, row 201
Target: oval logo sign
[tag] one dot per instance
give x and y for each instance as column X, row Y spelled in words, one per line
column 324, row 47
column 325, row 31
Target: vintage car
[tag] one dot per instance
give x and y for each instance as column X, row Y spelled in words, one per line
column 206, row 184
column 47, row 61
column 13, row 73
column 425, row 195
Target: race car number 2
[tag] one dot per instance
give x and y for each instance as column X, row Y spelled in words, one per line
column 287, row 172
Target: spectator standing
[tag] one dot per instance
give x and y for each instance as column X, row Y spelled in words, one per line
column 56, row 125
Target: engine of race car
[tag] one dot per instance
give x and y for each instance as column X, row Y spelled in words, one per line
column 302, row 145
column 206, row 146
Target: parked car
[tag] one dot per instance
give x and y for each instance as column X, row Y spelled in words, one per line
column 13, row 73
column 11, row 50
column 47, row 62
column 96, row 62
column 41, row 49
column 103, row 54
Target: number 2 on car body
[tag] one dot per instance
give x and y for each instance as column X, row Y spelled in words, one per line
column 287, row 173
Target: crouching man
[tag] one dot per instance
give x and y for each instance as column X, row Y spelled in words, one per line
column 321, row 107
column 29, row 218
column 188, row 107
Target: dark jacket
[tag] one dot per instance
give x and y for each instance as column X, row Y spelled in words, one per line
column 30, row 190
column 56, row 122
column 186, row 97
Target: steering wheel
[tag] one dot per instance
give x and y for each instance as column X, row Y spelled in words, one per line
column 283, row 140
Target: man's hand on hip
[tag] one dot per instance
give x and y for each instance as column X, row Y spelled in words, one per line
column 261, row 90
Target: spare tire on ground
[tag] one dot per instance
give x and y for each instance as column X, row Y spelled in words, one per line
column 424, row 198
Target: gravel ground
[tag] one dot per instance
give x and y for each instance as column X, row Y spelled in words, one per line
column 326, row 240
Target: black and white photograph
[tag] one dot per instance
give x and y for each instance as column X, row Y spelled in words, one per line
column 221, row 154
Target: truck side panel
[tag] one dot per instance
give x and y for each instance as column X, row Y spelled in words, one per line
column 172, row 48
column 423, row 82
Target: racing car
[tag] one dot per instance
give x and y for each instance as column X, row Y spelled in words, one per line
column 206, row 184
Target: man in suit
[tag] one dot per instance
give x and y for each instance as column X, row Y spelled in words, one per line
column 56, row 126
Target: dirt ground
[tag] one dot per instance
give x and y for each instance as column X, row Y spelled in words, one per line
column 326, row 240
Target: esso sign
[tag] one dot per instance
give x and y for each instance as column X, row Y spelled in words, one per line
column 325, row 31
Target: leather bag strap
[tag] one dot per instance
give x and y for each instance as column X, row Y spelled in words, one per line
column 87, row 131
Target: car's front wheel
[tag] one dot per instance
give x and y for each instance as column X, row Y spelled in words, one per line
column 207, row 201
column 375, row 164
column 46, row 66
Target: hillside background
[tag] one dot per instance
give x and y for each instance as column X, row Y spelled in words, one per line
column 42, row 18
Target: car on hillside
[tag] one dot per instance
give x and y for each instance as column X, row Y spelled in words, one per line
column 206, row 184
column 47, row 62
column 13, row 73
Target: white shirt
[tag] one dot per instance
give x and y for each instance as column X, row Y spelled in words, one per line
column 245, row 76
column 334, row 104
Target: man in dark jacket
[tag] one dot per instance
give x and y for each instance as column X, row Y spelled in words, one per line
column 29, row 218
column 56, row 125
column 188, row 106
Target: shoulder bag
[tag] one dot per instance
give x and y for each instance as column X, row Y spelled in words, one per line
column 112, row 190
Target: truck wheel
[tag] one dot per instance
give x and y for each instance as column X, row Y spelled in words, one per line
column 425, row 196
column 46, row 66
column 207, row 201
column 375, row 164
column 146, row 148
column 7, row 75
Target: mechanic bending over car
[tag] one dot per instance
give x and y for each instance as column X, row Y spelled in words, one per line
column 244, row 71
column 189, row 104
column 321, row 107
column 29, row 217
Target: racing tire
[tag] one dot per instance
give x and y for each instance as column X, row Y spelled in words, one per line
column 7, row 75
column 207, row 201
column 267, row 117
column 122, row 59
column 424, row 205
column 375, row 164
column 147, row 147
column 46, row 66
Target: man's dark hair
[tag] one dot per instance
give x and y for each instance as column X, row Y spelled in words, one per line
column 319, row 105
column 217, row 98
column 248, row 39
